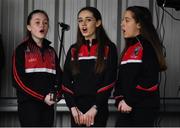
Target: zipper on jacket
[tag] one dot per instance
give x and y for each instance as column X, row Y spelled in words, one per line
column 89, row 48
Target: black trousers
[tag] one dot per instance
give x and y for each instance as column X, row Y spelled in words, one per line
column 139, row 117
column 34, row 114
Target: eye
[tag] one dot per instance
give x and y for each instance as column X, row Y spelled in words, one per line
column 46, row 23
column 80, row 20
column 127, row 20
column 37, row 22
column 89, row 19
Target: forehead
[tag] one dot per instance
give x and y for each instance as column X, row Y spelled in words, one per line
column 128, row 14
column 39, row 16
column 85, row 13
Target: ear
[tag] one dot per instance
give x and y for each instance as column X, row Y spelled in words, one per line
column 29, row 27
column 98, row 23
column 138, row 25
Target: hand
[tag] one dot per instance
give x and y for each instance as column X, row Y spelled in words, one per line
column 48, row 100
column 77, row 115
column 89, row 116
column 123, row 107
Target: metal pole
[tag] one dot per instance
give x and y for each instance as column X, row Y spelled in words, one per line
column 55, row 105
column 61, row 44
column 55, row 86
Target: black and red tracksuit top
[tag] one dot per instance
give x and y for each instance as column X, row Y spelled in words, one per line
column 87, row 83
column 138, row 73
column 35, row 71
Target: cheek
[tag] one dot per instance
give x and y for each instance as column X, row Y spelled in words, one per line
column 35, row 30
column 92, row 27
column 80, row 26
column 131, row 29
column 47, row 28
column 135, row 30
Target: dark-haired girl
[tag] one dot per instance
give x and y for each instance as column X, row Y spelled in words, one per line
column 35, row 73
column 89, row 71
column 137, row 89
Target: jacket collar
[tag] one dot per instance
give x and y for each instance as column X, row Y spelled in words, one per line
column 134, row 40
column 87, row 42
column 45, row 43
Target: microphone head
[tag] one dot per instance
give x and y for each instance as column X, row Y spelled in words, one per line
column 64, row 26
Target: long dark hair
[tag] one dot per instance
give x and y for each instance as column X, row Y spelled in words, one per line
column 143, row 16
column 102, row 40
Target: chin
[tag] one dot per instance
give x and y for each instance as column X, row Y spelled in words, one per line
column 125, row 36
column 42, row 36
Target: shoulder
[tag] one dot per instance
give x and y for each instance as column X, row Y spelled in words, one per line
column 133, row 54
column 72, row 47
column 111, row 50
column 19, row 51
column 71, row 50
column 147, row 47
column 111, row 45
column 22, row 46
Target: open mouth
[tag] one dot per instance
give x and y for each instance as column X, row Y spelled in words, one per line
column 123, row 30
column 84, row 30
column 42, row 31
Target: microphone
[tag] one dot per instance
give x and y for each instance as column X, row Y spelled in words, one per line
column 64, row 26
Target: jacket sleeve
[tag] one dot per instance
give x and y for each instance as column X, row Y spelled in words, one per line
column 68, row 82
column 118, row 94
column 128, row 73
column 19, row 77
column 125, row 84
column 104, row 92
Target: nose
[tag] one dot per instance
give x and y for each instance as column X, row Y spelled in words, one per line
column 122, row 22
column 84, row 22
column 41, row 24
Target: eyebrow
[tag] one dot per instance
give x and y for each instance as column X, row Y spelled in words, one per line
column 86, row 17
column 37, row 19
column 128, row 18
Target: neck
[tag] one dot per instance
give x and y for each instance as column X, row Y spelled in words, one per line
column 38, row 41
column 39, row 44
